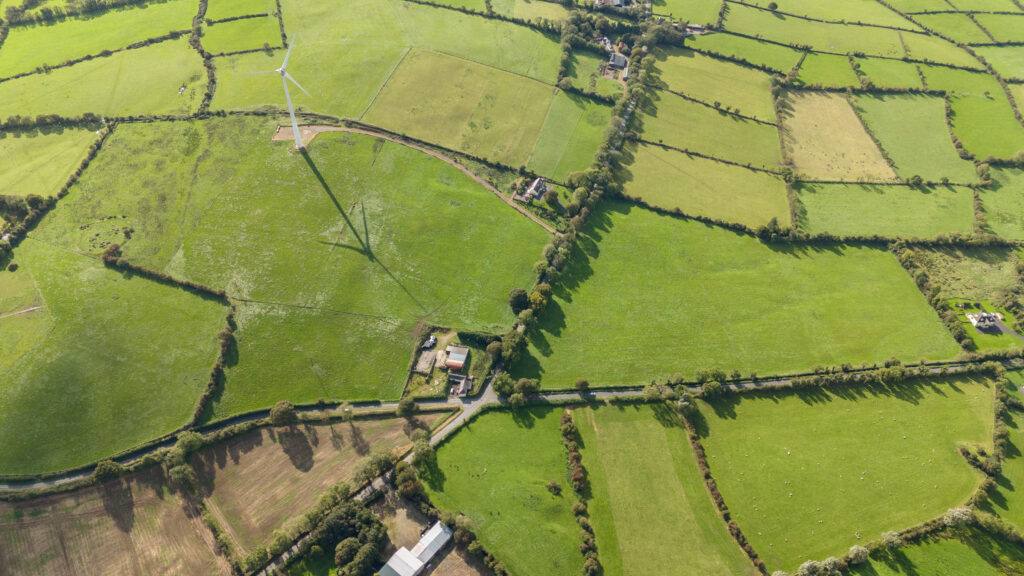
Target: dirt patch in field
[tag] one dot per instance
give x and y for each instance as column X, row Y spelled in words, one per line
column 405, row 524
column 259, row 481
column 128, row 526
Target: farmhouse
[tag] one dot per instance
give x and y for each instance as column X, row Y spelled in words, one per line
column 984, row 320
column 617, row 61
column 456, row 357
column 406, row 562
column 536, row 188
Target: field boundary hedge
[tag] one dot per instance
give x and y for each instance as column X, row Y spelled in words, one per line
column 723, row 109
column 688, row 152
column 822, row 20
column 216, row 21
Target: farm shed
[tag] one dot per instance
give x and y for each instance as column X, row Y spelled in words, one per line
column 411, row 562
column 457, row 356
column 617, row 61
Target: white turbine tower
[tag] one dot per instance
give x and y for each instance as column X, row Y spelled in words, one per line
column 285, row 78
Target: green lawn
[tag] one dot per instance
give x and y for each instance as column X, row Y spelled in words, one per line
column 712, row 80
column 723, row 300
column 105, row 363
column 1004, row 204
column 218, row 9
column 890, row 73
column 1008, row 61
column 1008, row 499
column 693, row 11
column 572, row 132
column 867, row 11
column 237, row 35
column 700, row 187
column 530, row 9
column 29, row 47
column 40, row 163
column 585, row 73
column 806, row 475
column 889, row 211
column 496, row 471
column 649, row 507
column 1004, row 27
column 956, row 26
column 218, row 203
column 966, row 553
column 680, row 123
column 827, row 70
column 144, row 81
column 912, row 130
column 779, row 58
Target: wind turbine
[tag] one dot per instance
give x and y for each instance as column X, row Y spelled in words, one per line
column 285, row 77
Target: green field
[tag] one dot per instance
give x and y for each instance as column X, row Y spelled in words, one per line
column 986, row 5
column 724, row 300
column 700, row 187
column 1008, row 61
column 530, row 9
column 573, row 130
column 29, row 47
column 711, row 80
column 496, row 471
column 1004, row 27
column 911, row 6
column 807, row 475
column 934, row 49
column 87, row 366
column 888, row 211
column 971, row 273
column 218, row 9
column 322, row 285
column 912, row 131
column 779, row 58
column 248, row 34
column 956, row 26
column 40, row 163
column 693, row 11
column 1004, row 204
column 677, row 122
column 1007, row 501
column 865, row 11
column 973, row 553
column 585, row 74
column 827, row 70
column 890, row 73
column 649, row 507
column 144, row 81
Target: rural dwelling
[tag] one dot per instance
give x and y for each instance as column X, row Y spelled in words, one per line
column 984, row 320
column 456, row 357
column 617, row 61
column 411, row 562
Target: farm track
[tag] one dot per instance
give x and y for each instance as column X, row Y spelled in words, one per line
column 285, row 133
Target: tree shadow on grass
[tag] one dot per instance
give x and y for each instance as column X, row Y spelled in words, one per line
column 119, row 503
column 296, row 446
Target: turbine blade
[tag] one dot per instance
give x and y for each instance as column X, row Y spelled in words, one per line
column 287, row 55
column 291, row 113
column 289, row 76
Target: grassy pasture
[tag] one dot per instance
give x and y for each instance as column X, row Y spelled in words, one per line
column 29, row 47
column 40, row 163
column 1008, row 61
column 572, row 132
column 468, row 111
column 725, row 300
column 586, row 74
column 986, row 5
column 365, row 43
column 495, row 471
column 924, row 47
column 143, row 81
column 649, row 507
column 890, row 211
column 678, row 122
column 346, row 339
column 825, row 140
column 130, row 526
column 773, row 56
column 912, row 131
column 712, row 80
column 890, row 73
column 237, row 35
column 693, row 11
column 956, row 26
column 828, row 70
column 865, row 11
column 970, row 552
column 530, row 9
column 1004, row 27
column 919, row 5
column 983, row 119
column 258, row 482
column 219, row 9
column 802, row 482
column 1004, row 205
column 82, row 387
column 700, row 187
column 821, row 36
column 1007, row 500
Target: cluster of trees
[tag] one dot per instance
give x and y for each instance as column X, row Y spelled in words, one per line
column 355, row 534
column 579, row 482
column 515, row 390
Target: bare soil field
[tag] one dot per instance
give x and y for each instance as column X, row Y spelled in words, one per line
column 131, row 525
column 260, row 480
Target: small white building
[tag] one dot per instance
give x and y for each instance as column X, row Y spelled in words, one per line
column 411, row 562
column 985, row 320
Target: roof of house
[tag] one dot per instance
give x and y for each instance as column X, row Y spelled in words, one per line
column 457, row 354
column 617, row 59
column 402, row 563
column 431, row 542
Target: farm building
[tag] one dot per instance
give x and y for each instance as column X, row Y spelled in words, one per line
column 406, row 562
column 456, row 357
column 984, row 320
column 536, row 188
column 617, row 61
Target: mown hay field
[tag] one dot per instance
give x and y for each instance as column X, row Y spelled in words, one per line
column 827, row 70
column 886, row 73
column 723, row 300
column 888, row 211
column 648, row 505
column 712, row 80
column 39, row 163
column 804, row 482
column 495, row 471
column 220, row 9
column 699, row 187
